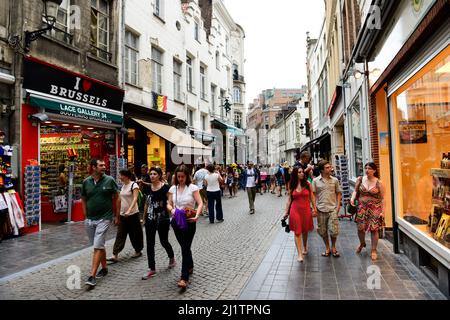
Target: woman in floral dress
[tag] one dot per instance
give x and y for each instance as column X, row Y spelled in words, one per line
column 369, row 191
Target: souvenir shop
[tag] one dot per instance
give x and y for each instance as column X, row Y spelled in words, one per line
column 67, row 120
column 12, row 217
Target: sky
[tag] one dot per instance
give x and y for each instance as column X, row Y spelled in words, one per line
column 275, row 43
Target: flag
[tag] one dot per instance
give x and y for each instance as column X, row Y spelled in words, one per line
column 159, row 102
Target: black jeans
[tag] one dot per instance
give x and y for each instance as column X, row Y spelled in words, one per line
column 129, row 226
column 185, row 238
column 215, row 197
column 151, row 226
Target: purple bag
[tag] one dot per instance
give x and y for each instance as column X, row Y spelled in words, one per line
column 179, row 219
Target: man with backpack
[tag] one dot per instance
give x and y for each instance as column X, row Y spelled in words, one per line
column 279, row 177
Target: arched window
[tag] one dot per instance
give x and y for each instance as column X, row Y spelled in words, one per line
column 237, row 95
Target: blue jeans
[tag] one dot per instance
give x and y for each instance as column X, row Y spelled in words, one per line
column 215, row 197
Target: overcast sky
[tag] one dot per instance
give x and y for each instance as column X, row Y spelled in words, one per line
column 275, row 43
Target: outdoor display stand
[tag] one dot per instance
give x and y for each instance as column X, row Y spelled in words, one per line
column 342, row 176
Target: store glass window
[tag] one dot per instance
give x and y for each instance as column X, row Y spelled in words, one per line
column 422, row 140
column 156, row 151
column 358, row 169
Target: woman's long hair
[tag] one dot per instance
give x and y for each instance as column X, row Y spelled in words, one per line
column 294, row 181
column 184, row 169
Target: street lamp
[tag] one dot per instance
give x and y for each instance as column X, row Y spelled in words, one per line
column 50, row 14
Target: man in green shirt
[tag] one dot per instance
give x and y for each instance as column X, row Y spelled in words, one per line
column 98, row 194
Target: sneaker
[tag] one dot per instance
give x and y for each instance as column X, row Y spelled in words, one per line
column 220, row 221
column 91, row 281
column 172, row 263
column 149, row 274
column 102, row 273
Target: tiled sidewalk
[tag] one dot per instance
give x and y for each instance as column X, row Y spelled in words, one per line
column 34, row 249
column 281, row 277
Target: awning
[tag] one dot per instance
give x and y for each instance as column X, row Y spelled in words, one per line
column 229, row 127
column 184, row 142
column 76, row 110
column 315, row 141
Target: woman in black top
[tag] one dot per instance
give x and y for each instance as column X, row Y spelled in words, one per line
column 157, row 218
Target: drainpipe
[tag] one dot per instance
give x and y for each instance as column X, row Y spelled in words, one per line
column 121, row 48
column 367, row 83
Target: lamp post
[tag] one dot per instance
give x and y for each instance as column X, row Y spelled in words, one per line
column 50, row 13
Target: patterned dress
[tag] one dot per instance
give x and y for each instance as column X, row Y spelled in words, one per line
column 370, row 209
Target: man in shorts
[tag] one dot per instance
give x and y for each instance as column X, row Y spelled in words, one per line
column 199, row 179
column 328, row 193
column 98, row 194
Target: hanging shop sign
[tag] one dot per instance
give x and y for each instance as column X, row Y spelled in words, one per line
column 55, row 81
column 76, row 111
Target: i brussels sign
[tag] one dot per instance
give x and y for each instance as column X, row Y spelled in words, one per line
column 78, row 91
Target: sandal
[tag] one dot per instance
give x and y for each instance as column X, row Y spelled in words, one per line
column 361, row 246
column 183, row 284
column 374, row 256
column 326, row 254
column 112, row 260
column 336, row 254
column 136, row 255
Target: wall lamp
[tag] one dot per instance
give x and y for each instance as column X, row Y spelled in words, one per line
column 358, row 74
column 50, row 13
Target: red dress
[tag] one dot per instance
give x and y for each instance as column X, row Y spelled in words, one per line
column 300, row 216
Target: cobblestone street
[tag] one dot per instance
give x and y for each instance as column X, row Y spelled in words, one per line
column 225, row 256
column 247, row 257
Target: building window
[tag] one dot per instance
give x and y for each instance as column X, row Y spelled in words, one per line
column 218, row 60
column 227, row 45
column 237, row 95
column 100, row 21
column 4, row 12
column 358, row 169
column 213, row 99
column 177, row 80
column 131, row 58
column 61, row 29
column 235, row 72
column 196, row 31
column 158, row 9
column 203, row 122
column 238, row 120
column 157, row 65
column 189, row 75
column 191, row 118
column 203, row 83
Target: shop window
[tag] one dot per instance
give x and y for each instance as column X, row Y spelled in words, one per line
column 358, row 169
column 131, row 154
column 422, row 145
column 155, row 151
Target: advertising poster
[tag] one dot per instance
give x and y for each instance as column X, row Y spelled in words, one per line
column 413, row 132
column 384, row 143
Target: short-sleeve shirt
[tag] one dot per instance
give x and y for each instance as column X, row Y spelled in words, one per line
column 199, row 177
column 185, row 199
column 157, row 204
column 325, row 191
column 126, row 198
column 213, row 182
column 99, row 197
column 251, row 178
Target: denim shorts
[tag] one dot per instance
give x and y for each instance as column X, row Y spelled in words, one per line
column 96, row 230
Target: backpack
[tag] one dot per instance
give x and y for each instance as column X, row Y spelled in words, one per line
column 141, row 198
column 279, row 174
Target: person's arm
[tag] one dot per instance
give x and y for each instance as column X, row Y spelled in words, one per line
column 383, row 193
column 84, row 206
column 198, row 200
column 312, row 199
column 146, row 206
column 170, row 205
column 220, row 178
column 338, row 196
column 134, row 202
column 286, row 214
column 116, row 200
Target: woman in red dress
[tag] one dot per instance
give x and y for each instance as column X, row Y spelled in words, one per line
column 299, row 210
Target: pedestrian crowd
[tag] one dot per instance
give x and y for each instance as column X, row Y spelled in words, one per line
column 163, row 201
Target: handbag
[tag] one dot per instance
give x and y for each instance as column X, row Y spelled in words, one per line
column 354, row 209
column 284, row 224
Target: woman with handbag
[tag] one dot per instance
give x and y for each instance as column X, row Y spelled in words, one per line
column 369, row 191
column 299, row 210
column 130, row 222
column 157, row 219
column 183, row 196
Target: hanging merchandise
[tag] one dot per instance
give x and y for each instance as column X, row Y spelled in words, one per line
column 342, row 176
column 32, row 194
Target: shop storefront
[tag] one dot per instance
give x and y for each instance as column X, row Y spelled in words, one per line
column 165, row 146
column 411, row 108
column 67, row 120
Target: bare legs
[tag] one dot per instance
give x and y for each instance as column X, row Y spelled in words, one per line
column 362, row 241
column 99, row 257
column 298, row 244
column 305, row 243
column 374, row 245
